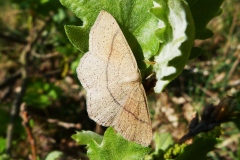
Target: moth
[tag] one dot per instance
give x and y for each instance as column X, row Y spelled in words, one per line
column 110, row 75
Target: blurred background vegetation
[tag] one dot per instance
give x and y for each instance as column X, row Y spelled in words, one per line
column 37, row 74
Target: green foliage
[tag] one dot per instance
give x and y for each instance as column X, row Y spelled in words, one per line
column 2, row 144
column 162, row 142
column 87, row 137
column 202, row 12
column 199, row 149
column 165, row 36
column 41, row 94
column 4, row 120
column 168, row 150
column 174, row 151
column 111, row 146
column 41, row 7
column 176, row 41
column 216, row 132
column 114, row 146
column 2, row 149
column 148, row 34
column 237, row 123
column 137, row 24
column 54, row 155
column 4, row 157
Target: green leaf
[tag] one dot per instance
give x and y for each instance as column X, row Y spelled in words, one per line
column 202, row 12
column 113, row 146
column 2, row 144
column 199, row 149
column 133, row 17
column 195, row 52
column 87, row 138
column 162, row 142
column 54, row 155
column 177, row 40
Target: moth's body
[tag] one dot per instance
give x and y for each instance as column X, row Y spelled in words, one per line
column 109, row 73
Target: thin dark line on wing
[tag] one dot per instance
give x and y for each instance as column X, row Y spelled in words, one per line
column 109, row 88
